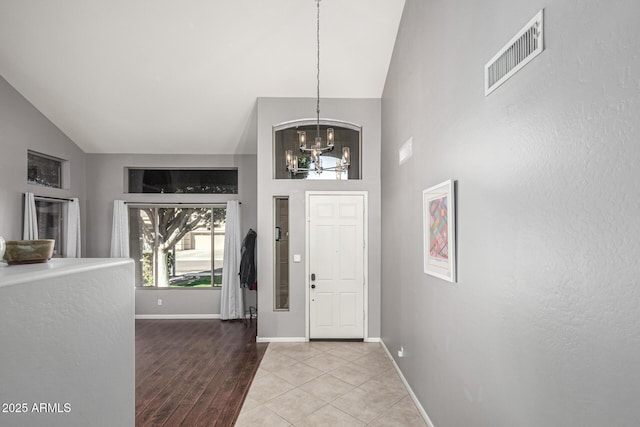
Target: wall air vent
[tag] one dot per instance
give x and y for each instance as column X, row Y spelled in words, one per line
column 521, row 49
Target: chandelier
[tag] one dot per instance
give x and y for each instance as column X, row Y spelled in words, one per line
column 315, row 150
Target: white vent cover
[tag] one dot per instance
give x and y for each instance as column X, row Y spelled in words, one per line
column 521, row 49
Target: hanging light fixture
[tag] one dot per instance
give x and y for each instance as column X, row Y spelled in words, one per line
column 317, row 148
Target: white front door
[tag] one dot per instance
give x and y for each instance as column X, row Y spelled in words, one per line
column 336, row 266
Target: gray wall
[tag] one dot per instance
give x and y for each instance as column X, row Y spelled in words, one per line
column 23, row 128
column 105, row 179
column 273, row 111
column 542, row 326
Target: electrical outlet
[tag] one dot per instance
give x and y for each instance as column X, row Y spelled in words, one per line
column 159, row 301
column 401, row 352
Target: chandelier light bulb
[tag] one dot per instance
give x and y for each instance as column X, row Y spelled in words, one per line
column 289, row 157
column 346, row 156
column 302, row 139
column 330, row 137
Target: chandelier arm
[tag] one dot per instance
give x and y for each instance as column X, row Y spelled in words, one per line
column 320, row 150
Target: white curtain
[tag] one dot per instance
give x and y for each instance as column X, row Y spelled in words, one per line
column 30, row 222
column 231, row 306
column 72, row 244
column 120, row 230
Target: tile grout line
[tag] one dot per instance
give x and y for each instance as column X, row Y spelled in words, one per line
column 346, row 357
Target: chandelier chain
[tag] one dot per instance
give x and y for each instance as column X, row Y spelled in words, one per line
column 318, row 70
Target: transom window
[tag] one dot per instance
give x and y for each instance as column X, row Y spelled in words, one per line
column 182, row 181
column 44, row 170
column 177, row 247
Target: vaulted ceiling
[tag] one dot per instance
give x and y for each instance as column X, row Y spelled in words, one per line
column 169, row 76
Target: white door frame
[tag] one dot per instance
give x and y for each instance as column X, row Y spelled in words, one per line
column 307, row 268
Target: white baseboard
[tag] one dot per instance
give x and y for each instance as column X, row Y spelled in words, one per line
column 181, row 316
column 408, row 387
column 177, row 316
column 281, row 339
column 302, row 339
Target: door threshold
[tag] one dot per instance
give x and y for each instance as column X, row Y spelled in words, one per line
column 337, row 339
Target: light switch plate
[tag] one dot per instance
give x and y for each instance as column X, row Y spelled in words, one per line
column 297, row 258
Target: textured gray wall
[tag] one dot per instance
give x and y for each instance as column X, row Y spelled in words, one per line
column 105, row 179
column 273, row 111
column 68, row 337
column 23, row 128
column 542, row 326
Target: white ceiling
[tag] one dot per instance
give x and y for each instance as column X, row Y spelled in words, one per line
column 171, row 76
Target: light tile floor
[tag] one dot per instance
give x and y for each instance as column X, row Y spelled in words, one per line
column 327, row 384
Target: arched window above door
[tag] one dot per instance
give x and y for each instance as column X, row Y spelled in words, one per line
column 285, row 137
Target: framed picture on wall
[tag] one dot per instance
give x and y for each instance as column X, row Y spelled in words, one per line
column 438, row 213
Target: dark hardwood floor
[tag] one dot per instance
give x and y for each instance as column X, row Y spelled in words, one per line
column 193, row 372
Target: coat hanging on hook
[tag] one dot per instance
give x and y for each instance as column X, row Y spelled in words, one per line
column 247, row 261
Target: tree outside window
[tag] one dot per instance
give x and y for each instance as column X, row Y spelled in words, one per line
column 177, row 246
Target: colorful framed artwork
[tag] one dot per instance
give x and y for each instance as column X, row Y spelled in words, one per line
column 438, row 204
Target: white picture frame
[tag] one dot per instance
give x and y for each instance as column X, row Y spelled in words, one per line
column 439, row 239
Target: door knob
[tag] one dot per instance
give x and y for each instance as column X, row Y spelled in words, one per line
column 313, row 286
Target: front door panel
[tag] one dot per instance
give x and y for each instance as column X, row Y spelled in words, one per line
column 336, row 258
